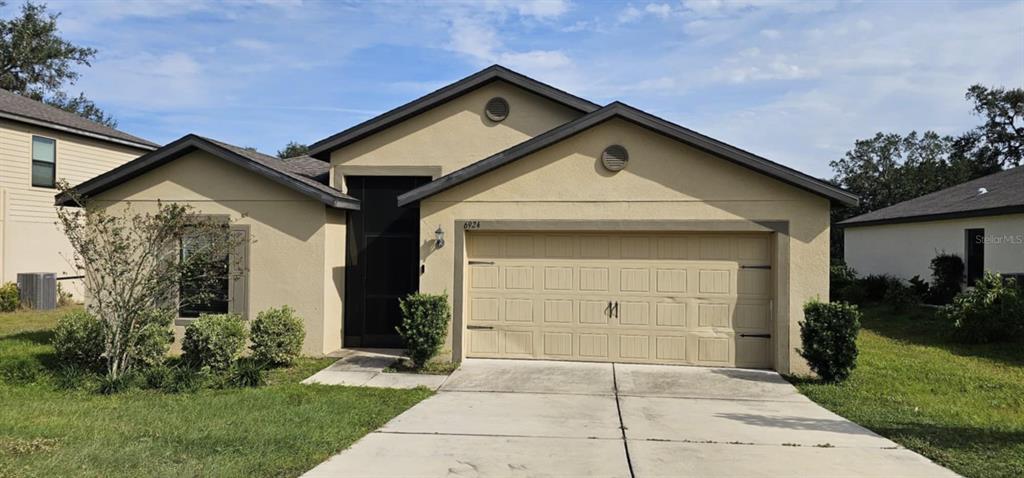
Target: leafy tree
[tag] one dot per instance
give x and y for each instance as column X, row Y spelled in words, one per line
column 1003, row 130
column 891, row 168
column 292, row 149
column 81, row 106
column 133, row 269
column 35, row 61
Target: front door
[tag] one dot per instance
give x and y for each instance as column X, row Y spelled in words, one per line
column 383, row 258
column 975, row 253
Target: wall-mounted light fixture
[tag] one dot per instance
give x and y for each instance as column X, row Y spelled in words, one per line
column 439, row 238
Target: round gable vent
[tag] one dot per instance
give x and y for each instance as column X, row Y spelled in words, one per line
column 496, row 109
column 614, row 158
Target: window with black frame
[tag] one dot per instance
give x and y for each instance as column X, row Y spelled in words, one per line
column 206, row 274
column 44, row 162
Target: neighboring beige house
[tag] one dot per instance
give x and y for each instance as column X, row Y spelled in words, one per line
column 982, row 221
column 559, row 228
column 40, row 145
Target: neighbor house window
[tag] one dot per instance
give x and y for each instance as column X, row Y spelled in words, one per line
column 215, row 301
column 44, row 162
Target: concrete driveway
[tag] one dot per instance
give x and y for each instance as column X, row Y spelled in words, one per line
column 562, row 419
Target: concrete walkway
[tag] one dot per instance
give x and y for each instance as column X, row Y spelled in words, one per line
column 561, row 419
column 365, row 368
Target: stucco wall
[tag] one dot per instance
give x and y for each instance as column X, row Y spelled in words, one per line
column 451, row 136
column 906, row 250
column 665, row 180
column 288, row 261
column 30, row 241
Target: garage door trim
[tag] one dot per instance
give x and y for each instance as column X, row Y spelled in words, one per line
column 782, row 253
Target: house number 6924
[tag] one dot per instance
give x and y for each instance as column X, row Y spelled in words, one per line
column 468, row 225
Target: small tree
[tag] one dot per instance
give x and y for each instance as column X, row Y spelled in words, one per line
column 133, row 265
column 828, row 334
column 424, row 325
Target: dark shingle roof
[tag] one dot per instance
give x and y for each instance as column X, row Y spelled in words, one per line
column 19, row 108
column 309, row 167
column 292, row 175
column 295, row 170
column 1004, row 194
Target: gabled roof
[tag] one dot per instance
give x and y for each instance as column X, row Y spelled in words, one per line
column 1004, row 194
column 291, row 175
column 454, row 90
column 18, row 108
column 645, row 120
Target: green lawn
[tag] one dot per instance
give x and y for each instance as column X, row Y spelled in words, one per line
column 282, row 429
column 960, row 405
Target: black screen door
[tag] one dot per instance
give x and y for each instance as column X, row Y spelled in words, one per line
column 383, row 258
column 975, row 252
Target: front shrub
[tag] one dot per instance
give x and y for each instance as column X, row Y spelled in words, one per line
column 829, row 337
column 78, row 340
column 900, row 296
column 876, row 285
column 154, row 339
column 277, row 336
column 991, row 311
column 247, row 373
column 10, row 297
column 183, row 380
column 947, row 278
column 157, row 376
column 424, row 325
column 214, row 341
column 841, row 277
column 110, row 385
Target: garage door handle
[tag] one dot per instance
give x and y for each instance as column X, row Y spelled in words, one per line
column 473, row 263
column 757, row 336
column 479, row 327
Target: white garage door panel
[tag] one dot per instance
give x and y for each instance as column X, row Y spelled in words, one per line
column 664, row 298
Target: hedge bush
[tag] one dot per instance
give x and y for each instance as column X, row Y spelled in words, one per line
column 991, row 311
column 154, row 339
column 214, row 341
column 841, row 277
column 10, row 297
column 424, row 325
column 829, row 339
column 947, row 278
column 78, row 340
column 277, row 336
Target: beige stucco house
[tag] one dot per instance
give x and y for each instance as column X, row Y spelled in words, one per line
column 559, row 229
column 39, row 146
column 982, row 221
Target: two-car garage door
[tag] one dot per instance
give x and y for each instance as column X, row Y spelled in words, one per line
column 702, row 299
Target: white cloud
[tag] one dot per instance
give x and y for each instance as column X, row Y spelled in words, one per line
column 771, row 33
column 252, row 44
column 149, row 82
column 543, row 8
column 633, row 14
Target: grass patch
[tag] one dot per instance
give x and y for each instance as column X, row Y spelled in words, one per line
column 434, row 367
column 960, row 405
column 281, row 429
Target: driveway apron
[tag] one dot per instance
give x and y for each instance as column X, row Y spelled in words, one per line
column 564, row 419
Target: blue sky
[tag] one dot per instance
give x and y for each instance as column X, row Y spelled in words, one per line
column 794, row 82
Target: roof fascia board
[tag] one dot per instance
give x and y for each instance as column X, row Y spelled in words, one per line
column 183, row 146
column 642, row 119
column 995, row 211
column 442, row 96
column 75, row 131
